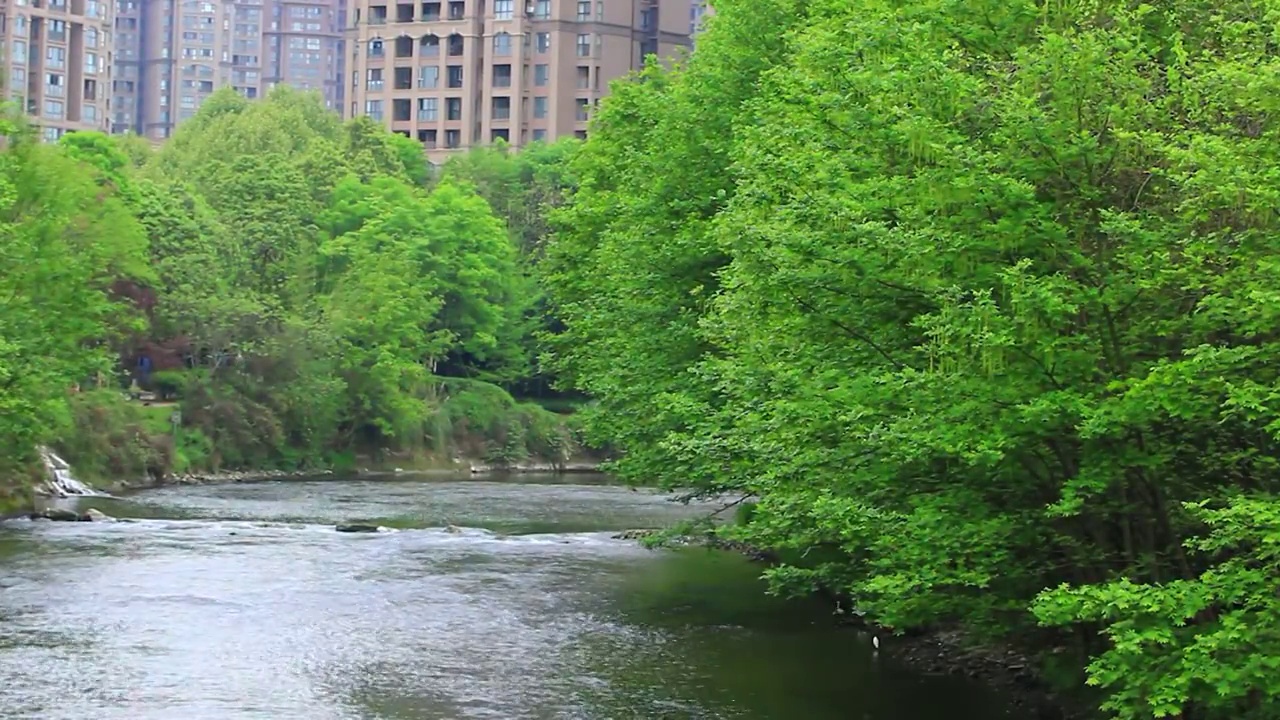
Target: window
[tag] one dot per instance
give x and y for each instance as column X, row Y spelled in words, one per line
column 427, row 138
column 403, row 78
column 453, row 108
column 502, row 108
column 502, row 44
column 52, row 134
column 54, row 109
column 93, row 9
column 584, row 10
column 646, row 19
column 404, row 13
column 540, row 106
column 91, row 63
column 18, row 78
column 455, row 45
column 89, row 113
column 428, row 77
column 584, row 77
column 454, row 80
column 20, row 25
column 430, row 11
column 544, row 42
column 428, row 109
column 502, row 134
column 502, row 76
column 430, row 46
column 373, row 108
column 91, row 37
column 401, row 110
column 20, row 52
column 457, row 10
column 375, row 48
column 503, row 9
column 54, row 85
column 539, row 135
column 404, row 46
column 57, row 29
column 580, row 107
column 55, row 57
column 541, row 75
column 542, row 10
column 599, row 10
column 373, row 79
column 584, row 45
column 453, row 138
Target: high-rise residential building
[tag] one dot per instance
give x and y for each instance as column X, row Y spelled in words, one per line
column 172, row 54
column 458, row 73
column 57, row 57
column 698, row 11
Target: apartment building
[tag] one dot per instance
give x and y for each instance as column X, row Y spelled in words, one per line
column 458, row 73
column 698, row 11
column 172, row 54
column 58, row 60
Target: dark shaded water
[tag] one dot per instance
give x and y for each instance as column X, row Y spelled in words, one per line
column 240, row 601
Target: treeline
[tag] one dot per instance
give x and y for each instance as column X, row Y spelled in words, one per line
column 301, row 291
column 979, row 302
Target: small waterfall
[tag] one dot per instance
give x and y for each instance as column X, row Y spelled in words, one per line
column 59, row 482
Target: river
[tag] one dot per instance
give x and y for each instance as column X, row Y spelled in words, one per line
column 240, row 601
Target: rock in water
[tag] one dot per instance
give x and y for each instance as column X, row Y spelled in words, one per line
column 96, row 515
column 59, row 514
column 452, row 529
column 356, row 528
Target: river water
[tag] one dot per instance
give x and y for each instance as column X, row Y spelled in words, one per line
column 238, row 602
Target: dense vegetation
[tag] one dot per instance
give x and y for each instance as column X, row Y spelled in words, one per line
column 977, row 301
column 972, row 301
column 304, row 291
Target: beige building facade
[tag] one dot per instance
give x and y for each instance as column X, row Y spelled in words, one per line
column 172, row 54
column 58, row 62
column 458, row 73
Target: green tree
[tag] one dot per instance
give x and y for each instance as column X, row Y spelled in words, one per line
column 64, row 243
column 974, row 298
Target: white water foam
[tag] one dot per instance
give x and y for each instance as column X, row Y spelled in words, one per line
column 59, row 482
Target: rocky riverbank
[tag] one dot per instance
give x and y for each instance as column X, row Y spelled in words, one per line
column 950, row 652
column 211, row 478
column 936, row 652
column 243, row 476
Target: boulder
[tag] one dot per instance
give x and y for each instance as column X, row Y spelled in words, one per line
column 58, row 514
column 356, row 528
column 96, row 515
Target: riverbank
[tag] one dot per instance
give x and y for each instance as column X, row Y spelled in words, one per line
column 462, row 467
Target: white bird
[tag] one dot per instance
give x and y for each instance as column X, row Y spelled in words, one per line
column 875, row 641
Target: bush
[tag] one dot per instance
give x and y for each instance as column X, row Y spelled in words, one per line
column 112, row 437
